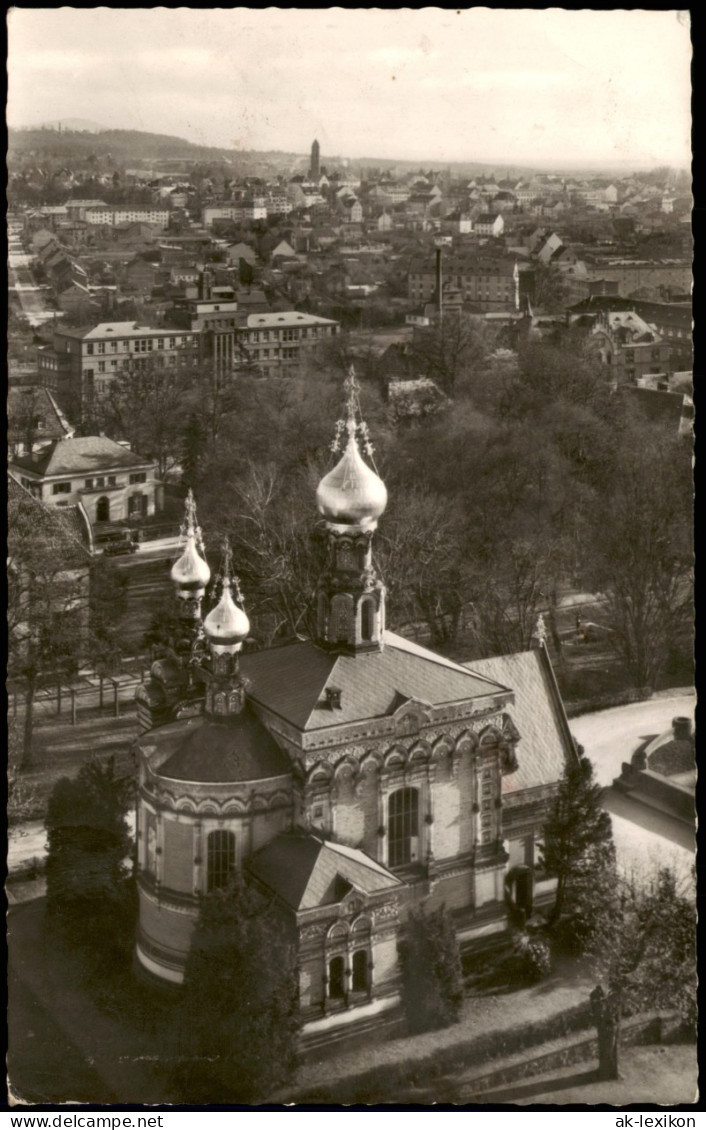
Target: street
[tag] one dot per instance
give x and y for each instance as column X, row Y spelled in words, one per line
column 32, row 298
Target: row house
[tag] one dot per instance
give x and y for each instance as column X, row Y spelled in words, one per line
column 110, row 215
column 635, row 274
column 491, row 284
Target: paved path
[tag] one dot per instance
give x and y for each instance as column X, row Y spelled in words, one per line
column 665, row 1075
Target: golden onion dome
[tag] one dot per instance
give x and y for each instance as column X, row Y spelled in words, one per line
column 226, row 623
column 351, row 493
column 191, row 570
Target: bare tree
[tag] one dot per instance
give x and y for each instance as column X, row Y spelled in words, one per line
column 451, row 350
column 48, row 593
column 641, row 552
column 148, row 404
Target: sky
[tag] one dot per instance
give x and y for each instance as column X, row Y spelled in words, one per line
column 526, row 86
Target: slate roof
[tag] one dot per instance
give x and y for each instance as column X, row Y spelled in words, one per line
column 203, row 749
column 306, row 872
column 291, row 681
column 545, row 743
column 79, row 455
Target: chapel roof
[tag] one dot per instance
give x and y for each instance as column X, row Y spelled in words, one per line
column 306, row 871
column 292, row 681
column 546, row 745
column 203, row 749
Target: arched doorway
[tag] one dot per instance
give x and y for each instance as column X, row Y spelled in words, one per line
column 103, row 509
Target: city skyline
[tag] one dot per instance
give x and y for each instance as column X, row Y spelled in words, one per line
column 430, row 85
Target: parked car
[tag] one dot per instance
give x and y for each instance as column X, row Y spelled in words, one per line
column 117, row 542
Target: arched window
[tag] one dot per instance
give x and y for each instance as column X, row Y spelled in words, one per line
column 360, row 971
column 221, row 858
column 404, row 827
column 103, row 509
column 367, row 619
column 336, row 974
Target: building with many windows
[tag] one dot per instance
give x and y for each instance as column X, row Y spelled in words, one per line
column 491, row 283
column 274, row 342
column 352, row 776
column 79, row 365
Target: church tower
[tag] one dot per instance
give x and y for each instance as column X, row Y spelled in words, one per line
column 225, row 628
column 351, row 498
column 174, row 684
column 315, row 167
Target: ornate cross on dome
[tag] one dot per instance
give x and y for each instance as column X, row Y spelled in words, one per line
column 227, row 577
column 353, row 426
column 190, row 526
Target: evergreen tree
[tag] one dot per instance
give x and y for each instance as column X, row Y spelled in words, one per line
column 89, row 895
column 579, row 851
column 432, row 980
column 239, row 1011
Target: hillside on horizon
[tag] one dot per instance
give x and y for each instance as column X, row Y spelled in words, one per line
column 80, row 139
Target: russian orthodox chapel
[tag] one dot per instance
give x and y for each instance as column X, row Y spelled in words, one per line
column 352, row 776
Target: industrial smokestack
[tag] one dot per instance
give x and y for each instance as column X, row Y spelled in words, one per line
column 439, row 303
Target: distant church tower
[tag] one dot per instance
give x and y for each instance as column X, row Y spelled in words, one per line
column 315, row 169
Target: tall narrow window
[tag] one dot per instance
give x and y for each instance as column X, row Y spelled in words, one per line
column 360, row 971
column 336, row 974
column 404, row 827
column 367, row 612
column 221, row 858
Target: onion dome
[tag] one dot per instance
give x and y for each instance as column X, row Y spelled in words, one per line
column 226, row 625
column 351, row 492
column 191, row 571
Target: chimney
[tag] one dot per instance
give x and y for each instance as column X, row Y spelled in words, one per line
column 333, row 698
column 438, row 279
column 681, row 728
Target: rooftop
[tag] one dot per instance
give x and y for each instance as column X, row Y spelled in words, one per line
column 545, row 744
column 201, row 749
column 287, row 318
column 306, row 872
column 292, row 681
column 80, row 455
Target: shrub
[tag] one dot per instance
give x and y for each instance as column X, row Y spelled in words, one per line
column 530, row 960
